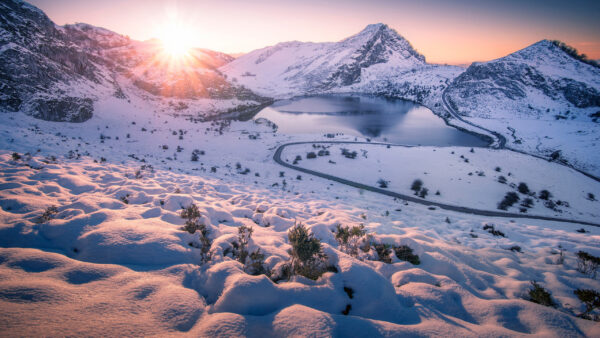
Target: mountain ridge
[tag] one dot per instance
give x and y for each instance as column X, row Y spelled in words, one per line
column 58, row 72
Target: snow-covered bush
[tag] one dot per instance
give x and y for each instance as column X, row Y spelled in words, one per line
column 492, row 230
column 253, row 261
column 509, row 199
column 587, row 264
column 349, row 154
column 382, row 183
column 352, row 238
column 307, row 257
column 539, row 295
column 192, row 225
column 48, row 214
column 384, row 252
column 405, row 253
column 523, row 188
column 591, row 299
column 416, row 186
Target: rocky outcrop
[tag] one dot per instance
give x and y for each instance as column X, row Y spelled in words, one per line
column 64, row 109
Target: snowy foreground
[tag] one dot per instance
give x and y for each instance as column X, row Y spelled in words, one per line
column 114, row 259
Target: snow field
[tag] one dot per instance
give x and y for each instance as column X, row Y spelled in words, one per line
column 462, row 177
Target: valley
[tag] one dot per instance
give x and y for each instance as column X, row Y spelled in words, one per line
column 343, row 188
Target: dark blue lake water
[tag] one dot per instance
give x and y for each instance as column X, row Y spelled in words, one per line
column 378, row 118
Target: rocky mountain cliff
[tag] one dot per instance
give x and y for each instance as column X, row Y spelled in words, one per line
column 56, row 73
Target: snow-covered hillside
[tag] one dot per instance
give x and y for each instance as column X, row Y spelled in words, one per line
column 114, row 248
column 540, row 98
column 58, row 73
column 371, row 58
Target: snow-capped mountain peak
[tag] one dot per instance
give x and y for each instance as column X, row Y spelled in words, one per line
column 301, row 67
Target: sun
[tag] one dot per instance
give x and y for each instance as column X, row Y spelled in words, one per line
column 176, row 40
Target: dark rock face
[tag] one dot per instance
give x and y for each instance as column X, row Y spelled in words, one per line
column 516, row 74
column 36, row 57
column 511, row 79
column 66, row 109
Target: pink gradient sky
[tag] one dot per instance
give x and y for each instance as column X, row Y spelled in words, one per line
column 455, row 32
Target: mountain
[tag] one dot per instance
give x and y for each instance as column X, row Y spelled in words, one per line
column 540, row 76
column 57, row 73
column 542, row 99
column 292, row 68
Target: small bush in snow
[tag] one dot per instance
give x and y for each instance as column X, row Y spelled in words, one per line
column 256, row 266
column 195, row 155
column 515, row 248
column 351, row 239
column 591, row 196
column 492, row 230
column 244, row 236
column 587, row 264
column 509, row 199
column 527, row 202
column 539, row 295
column 523, row 188
column 48, row 214
column 501, row 179
column 311, row 155
column 125, row 199
column 591, row 299
column 405, row 253
column 423, row 193
column 382, row 183
column 192, row 225
column 307, row 257
column 384, row 252
column 15, row 156
column 349, row 154
column 416, row 186
column 544, row 195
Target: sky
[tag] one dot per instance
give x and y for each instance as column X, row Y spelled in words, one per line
column 454, row 32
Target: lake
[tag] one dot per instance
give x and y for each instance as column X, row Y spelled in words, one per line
column 374, row 117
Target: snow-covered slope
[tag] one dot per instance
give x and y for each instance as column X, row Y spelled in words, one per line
column 114, row 259
column 540, row 98
column 57, row 73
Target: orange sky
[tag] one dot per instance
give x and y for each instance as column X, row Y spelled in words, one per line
column 455, row 32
